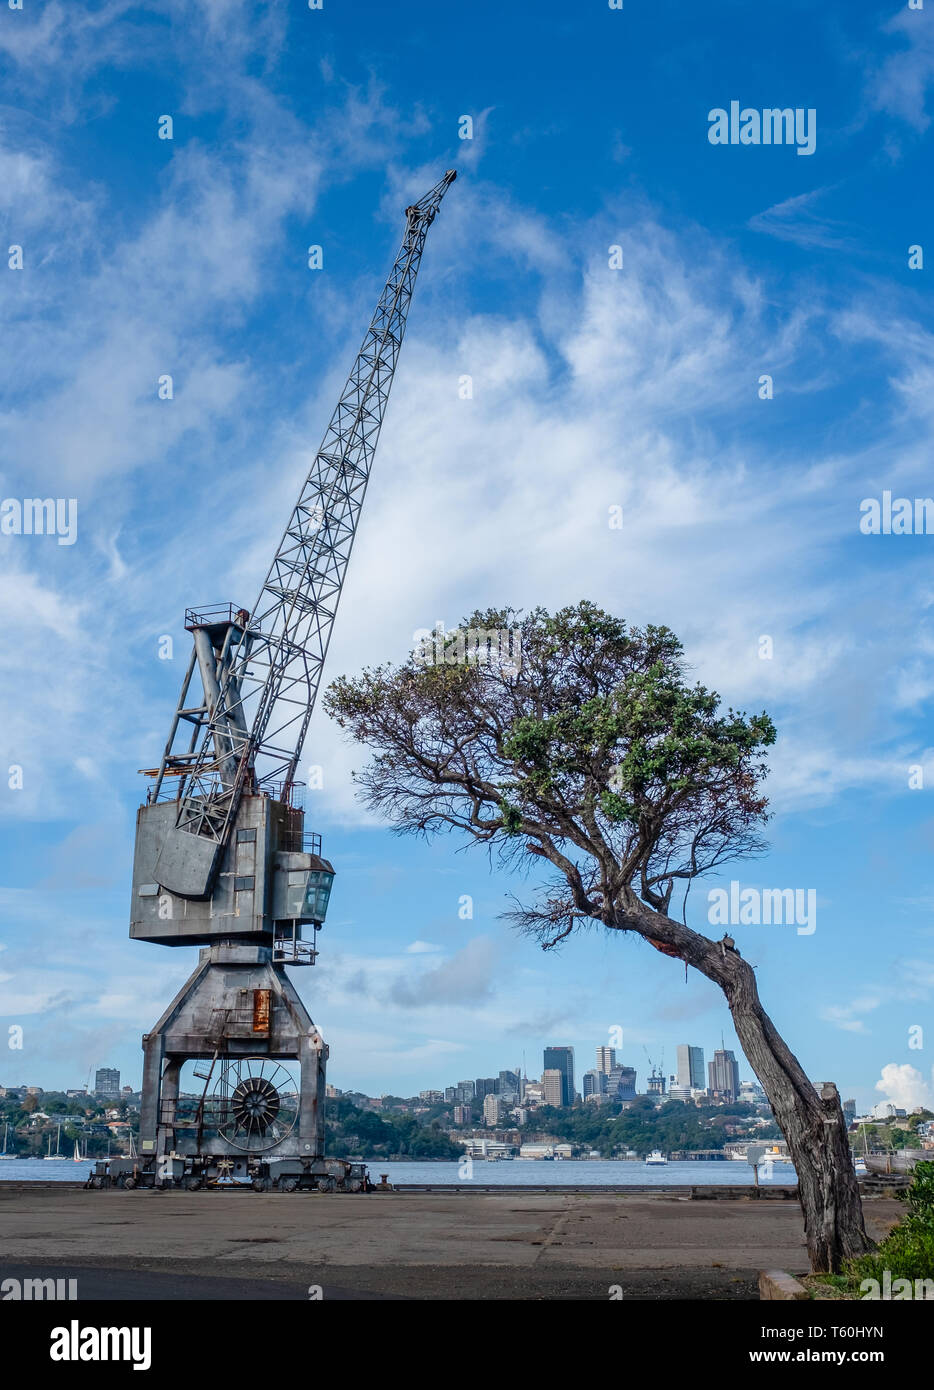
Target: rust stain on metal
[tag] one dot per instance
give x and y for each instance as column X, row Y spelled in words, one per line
column 261, row 999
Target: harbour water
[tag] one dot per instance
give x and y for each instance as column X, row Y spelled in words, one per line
column 582, row 1173
column 518, row 1172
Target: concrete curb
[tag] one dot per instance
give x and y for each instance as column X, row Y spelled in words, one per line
column 776, row 1284
column 718, row 1192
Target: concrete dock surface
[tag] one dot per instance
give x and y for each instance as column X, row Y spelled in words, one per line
column 246, row 1245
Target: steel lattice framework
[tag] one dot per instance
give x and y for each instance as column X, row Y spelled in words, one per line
column 250, row 732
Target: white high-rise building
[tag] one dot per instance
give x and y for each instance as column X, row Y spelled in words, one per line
column 606, row 1059
column 492, row 1109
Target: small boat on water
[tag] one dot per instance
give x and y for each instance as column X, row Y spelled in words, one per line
column 6, row 1154
column 57, row 1156
column 656, row 1156
column 859, row 1167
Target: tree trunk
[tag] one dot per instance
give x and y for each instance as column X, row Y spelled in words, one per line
column 814, row 1126
column 812, row 1122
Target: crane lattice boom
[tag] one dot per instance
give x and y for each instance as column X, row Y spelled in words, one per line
column 261, row 684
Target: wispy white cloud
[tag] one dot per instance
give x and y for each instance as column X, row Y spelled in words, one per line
column 844, row 1016
column 899, row 84
column 796, row 219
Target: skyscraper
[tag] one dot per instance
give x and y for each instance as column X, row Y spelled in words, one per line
column 107, row 1081
column 621, row 1083
column 553, row 1084
column 606, row 1059
column 723, row 1072
column 691, row 1066
column 492, row 1109
column 595, row 1082
column 562, row 1059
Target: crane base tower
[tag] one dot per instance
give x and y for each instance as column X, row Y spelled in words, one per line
column 259, row 1065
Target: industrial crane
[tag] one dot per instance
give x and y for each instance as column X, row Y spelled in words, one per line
column 261, row 668
column 222, row 859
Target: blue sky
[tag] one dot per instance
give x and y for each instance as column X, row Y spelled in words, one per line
column 592, row 388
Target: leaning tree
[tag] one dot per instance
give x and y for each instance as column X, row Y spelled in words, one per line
column 585, row 746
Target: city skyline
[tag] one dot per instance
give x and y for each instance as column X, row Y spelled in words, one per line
column 506, row 1082
column 615, row 1051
